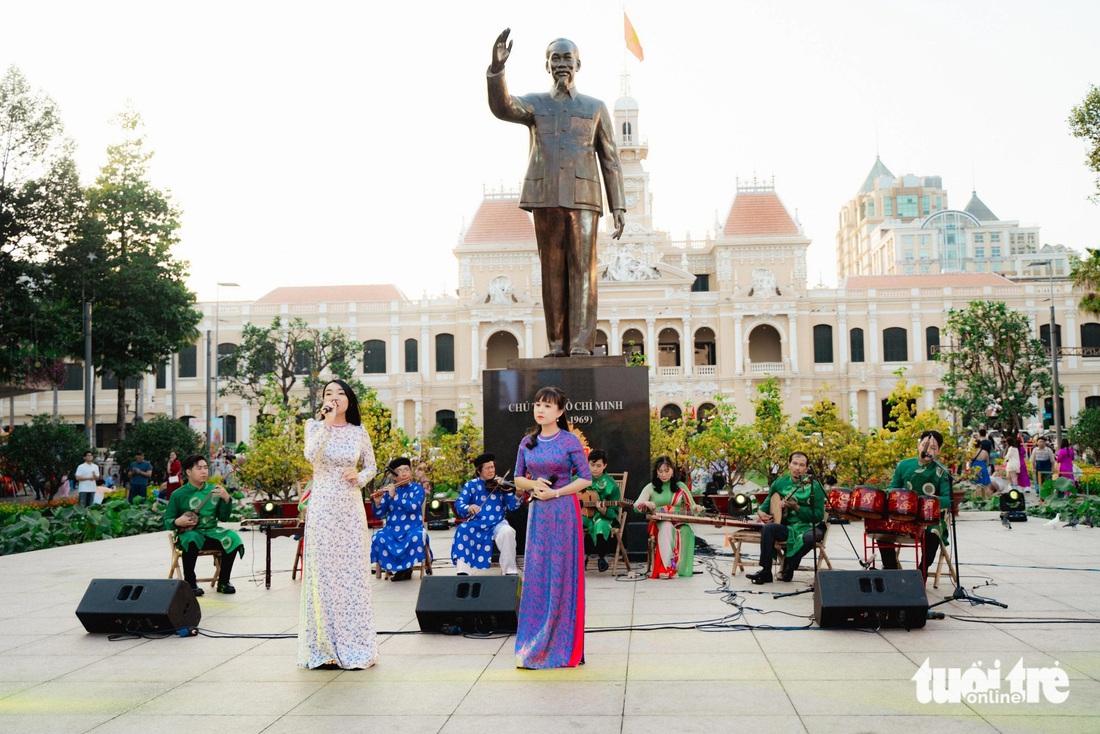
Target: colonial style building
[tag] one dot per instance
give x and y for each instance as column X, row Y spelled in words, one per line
column 714, row 316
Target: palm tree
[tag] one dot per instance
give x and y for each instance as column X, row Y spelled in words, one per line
column 1086, row 277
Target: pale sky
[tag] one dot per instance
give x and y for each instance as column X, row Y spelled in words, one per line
column 349, row 142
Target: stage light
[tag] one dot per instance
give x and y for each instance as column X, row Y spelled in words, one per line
column 1013, row 505
column 268, row 509
column 740, row 504
column 437, row 514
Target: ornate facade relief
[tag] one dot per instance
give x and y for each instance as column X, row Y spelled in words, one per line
column 622, row 264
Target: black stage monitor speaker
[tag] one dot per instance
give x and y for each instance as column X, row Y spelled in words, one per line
column 870, row 599
column 636, row 540
column 138, row 605
column 465, row 604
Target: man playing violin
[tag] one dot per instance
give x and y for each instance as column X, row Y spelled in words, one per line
column 927, row 477
column 481, row 504
column 597, row 529
column 403, row 542
column 803, row 510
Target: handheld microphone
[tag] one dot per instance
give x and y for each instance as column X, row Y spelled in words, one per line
column 552, row 478
column 326, row 409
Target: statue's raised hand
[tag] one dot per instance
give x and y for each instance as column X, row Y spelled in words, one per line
column 501, row 50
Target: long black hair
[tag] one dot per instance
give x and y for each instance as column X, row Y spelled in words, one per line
column 662, row 460
column 352, row 414
column 553, row 395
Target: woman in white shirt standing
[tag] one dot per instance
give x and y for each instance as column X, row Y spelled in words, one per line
column 1012, row 460
column 86, row 474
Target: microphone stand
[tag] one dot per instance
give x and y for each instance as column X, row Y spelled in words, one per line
column 960, row 593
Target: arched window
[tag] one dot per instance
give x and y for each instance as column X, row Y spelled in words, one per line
column 671, row 412
column 1092, row 402
column 931, row 340
column 226, row 363
column 412, row 359
column 894, row 345
column 374, row 357
column 1044, row 335
column 626, row 130
column 633, row 341
column 230, row 427
column 188, row 361
column 446, row 420
column 1090, row 338
column 444, row 353
column 501, row 348
column 601, row 344
column 823, row 344
column 856, row 341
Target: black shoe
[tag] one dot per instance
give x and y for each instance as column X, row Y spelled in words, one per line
column 760, row 577
column 226, row 589
column 196, row 590
column 787, row 574
column 601, row 563
column 402, row 575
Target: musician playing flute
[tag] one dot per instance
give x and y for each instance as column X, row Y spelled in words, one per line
column 927, row 477
column 801, row 524
column 481, row 504
column 403, row 542
column 675, row 551
column 597, row 529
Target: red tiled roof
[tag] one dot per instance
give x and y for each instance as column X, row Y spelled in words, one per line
column 500, row 221
column 931, row 280
column 758, row 214
column 333, row 294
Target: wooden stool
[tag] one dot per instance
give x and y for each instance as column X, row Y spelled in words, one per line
column 176, row 570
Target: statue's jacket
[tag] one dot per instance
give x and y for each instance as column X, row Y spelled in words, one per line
column 572, row 139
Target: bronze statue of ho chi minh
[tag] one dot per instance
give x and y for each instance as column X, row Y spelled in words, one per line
column 572, row 138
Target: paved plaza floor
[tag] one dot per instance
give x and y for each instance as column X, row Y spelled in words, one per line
column 734, row 675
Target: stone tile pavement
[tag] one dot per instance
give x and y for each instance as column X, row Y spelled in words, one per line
column 767, row 670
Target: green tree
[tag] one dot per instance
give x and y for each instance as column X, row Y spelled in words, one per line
column 771, row 426
column 1085, row 274
column 387, row 439
column 275, row 463
column 155, row 438
column 996, row 366
column 40, row 205
column 450, row 455
column 284, row 352
column 1085, row 433
column 42, row 451
column 1084, row 123
column 143, row 312
column 719, row 443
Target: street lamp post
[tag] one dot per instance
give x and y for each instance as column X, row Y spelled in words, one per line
column 213, row 413
column 1055, row 410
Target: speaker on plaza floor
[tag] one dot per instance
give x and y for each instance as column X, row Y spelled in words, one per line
column 467, row 604
column 138, row 605
column 870, row 599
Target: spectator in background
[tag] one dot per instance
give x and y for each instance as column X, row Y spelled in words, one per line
column 86, row 474
column 1065, row 461
column 1013, row 460
column 100, row 490
column 140, row 472
column 175, row 475
column 1042, row 461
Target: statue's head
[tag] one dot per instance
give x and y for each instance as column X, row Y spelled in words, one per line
column 563, row 61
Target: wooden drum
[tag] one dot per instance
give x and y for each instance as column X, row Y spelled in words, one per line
column 902, row 505
column 869, row 503
column 928, row 511
column 840, row 502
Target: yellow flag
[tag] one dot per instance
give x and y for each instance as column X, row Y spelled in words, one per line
column 633, row 45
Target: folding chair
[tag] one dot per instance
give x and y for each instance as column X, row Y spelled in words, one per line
column 176, row 570
column 617, row 526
